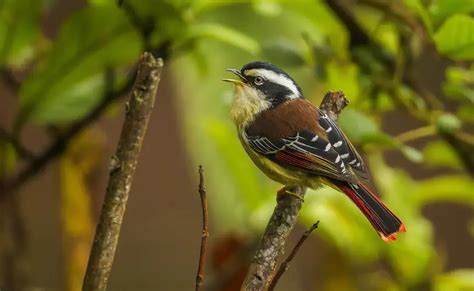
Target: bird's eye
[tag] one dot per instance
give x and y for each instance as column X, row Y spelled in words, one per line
column 258, row 80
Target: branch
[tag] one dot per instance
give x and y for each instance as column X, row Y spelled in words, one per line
column 286, row 264
column 10, row 80
column 205, row 231
column 21, row 150
column 283, row 219
column 122, row 169
column 58, row 146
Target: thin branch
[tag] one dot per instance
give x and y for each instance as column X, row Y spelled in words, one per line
column 21, row 150
column 424, row 131
column 122, row 170
column 286, row 264
column 62, row 140
column 10, row 80
column 284, row 217
column 205, row 231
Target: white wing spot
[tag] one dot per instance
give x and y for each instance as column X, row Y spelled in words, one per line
column 328, row 147
column 337, row 159
column 358, row 164
column 329, row 129
column 338, row 144
column 352, row 162
column 345, row 156
column 315, row 138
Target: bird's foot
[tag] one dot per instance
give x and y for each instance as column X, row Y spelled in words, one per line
column 285, row 191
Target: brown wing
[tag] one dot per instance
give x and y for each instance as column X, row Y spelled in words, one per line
column 292, row 136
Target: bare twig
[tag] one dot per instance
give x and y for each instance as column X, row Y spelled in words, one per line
column 205, row 231
column 286, row 264
column 283, row 219
column 122, row 169
column 21, row 150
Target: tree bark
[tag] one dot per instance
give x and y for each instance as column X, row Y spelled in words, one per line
column 122, row 168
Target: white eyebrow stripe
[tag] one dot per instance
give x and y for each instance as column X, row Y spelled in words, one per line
column 275, row 78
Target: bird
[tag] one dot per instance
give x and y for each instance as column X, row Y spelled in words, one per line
column 296, row 144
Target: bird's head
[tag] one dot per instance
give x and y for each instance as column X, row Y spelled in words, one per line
column 260, row 86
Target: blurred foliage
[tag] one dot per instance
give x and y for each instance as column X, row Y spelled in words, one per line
column 76, row 166
column 67, row 76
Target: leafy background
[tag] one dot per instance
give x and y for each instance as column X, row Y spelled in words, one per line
column 406, row 67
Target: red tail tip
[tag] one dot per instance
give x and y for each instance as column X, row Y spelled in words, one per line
column 389, row 238
column 393, row 236
column 402, row 228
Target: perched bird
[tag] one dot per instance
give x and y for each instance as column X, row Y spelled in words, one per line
column 294, row 143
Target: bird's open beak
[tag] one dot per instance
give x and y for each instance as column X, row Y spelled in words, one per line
column 241, row 79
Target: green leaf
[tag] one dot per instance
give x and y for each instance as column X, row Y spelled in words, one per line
column 19, row 29
column 362, row 129
column 442, row 9
column 349, row 73
column 455, row 188
column 70, row 81
column 224, row 34
column 440, row 153
column 333, row 208
column 357, row 125
column 448, row 123
column 269, row 8
column 418, row 7
column 458, row 280
column 459, row 83
column 455, row 38
column 411, row 153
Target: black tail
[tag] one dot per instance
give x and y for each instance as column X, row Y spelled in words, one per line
column 381, row 218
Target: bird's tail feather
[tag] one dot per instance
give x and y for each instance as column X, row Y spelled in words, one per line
column 382, row 219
